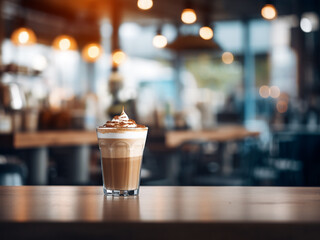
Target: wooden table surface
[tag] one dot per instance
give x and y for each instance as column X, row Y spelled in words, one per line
column 173, row 139
column 62, row 212
column 20, row 140
column 220, row 134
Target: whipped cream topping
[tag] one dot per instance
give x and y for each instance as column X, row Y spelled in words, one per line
column 122, row 121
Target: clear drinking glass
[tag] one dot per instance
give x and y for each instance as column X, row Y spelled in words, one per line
column 121, row 151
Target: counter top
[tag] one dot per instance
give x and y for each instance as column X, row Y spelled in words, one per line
column 20, row 140
column 172, row 139
column 220, row 134
column 58, row 212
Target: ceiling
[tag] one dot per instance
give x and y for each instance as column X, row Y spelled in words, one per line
column 163, row 10
column 81, row 17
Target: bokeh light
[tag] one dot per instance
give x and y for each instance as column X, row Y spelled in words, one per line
column 264, row 91
column 91, row 52
column 159, row 41
column 227, row 58
column 206, row 33
column 145, row 4
column 309, row 22
column 23, row 37
column 282, row 106
column 188, row 16
column 274, row 91
column 306, row 25
column 64, row 43
column 118, row 57
column 269, row 12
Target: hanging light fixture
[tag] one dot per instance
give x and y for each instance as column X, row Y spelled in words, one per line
column 159, row 41
column 23, row 36
column 188, row 15
column 92, row 52
column 206, row 32
column 145, row 4
column 269, row 11
column 118, row 57
column 64, row 43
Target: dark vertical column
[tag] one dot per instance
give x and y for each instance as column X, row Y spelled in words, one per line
column 1, row 30
column 249, row 75
column 316, row 52
column 297, row 42
column 115, row 22
column 78, row 164
column 38, row 161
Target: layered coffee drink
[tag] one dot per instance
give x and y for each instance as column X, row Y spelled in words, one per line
column 121, row 143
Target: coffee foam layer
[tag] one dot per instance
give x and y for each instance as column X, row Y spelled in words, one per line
column 103, row 133
column 121, row 148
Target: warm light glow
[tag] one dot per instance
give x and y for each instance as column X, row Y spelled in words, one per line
column 274, row 92
column 23, row 36
column 159, row 41
column 118, row 57
column 64, row 43
column 145, row 4
column 206, row 33
column 264, row 91
column 91, row 52
column 227, row 58
column 269, row 12
column 282, row 106
column 188, row 16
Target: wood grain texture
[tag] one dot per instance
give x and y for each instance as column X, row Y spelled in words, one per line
column 220, row 134
column 160, row 213
column 164, row 204
column 48, row 138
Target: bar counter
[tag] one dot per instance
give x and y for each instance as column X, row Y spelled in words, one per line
column 83, row 212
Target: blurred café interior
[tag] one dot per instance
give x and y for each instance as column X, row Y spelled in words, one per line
column 229, row 89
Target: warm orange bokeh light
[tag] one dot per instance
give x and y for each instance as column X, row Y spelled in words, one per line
column 269, row 12
column 227, row 58
column 206, row 33
column 91, row 52
column 159, row 41
column 64, row 43
column 282, row 106
column 23, row 37
column 274, row 91
column 145, row 4
column 188, row 16
column 118, row 57
column 264, row 91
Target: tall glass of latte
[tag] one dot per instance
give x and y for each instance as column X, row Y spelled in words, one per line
column 121, row 144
